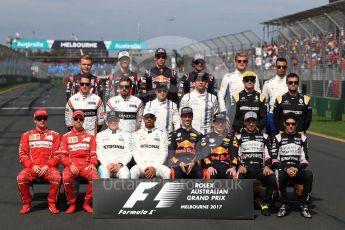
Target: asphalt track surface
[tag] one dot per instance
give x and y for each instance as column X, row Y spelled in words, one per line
column 16, row 109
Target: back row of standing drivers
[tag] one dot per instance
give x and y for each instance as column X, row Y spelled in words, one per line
column 143, row 87
column 241, row 100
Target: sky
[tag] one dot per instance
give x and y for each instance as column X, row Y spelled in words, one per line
column 115, row 20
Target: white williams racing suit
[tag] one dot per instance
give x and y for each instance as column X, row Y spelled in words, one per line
column 93, row 108
column 204, row 106
column 113, row 147
column 130, row 112
column 149, row 149
column 231, row 83
column 273, row 88
column 167, row 114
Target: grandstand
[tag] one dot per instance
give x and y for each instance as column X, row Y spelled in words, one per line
column 309, row 38
column 14, row 67
column 314, row 43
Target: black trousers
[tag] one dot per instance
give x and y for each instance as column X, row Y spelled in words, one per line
column 269, row 181
column 221, row 168
column 304, row 177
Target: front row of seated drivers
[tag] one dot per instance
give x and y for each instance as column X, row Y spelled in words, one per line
column 184, row 153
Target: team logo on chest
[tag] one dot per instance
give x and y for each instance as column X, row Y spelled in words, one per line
column 71, row 140
column 33, row 137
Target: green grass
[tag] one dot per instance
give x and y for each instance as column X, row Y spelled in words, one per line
column 327, row 127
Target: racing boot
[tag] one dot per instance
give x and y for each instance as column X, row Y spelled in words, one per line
column 265, row 210
column 282, row 211
column 71, row 208
column 53, row 209
column 25, row 209
column 305, row 211
column 87, row 207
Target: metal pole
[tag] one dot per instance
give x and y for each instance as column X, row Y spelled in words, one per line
column 76, row 39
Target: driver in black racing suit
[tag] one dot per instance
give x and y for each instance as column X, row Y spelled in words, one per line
column 254, row 160
column 72, row 86
column 290, row 158
column 187, row 82
column 112, row 88
column 160, row 74
column 182, row 149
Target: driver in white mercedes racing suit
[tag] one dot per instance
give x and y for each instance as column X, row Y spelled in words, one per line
column 113, row 150
column 150, row 150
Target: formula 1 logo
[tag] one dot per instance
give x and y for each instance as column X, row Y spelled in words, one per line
column 166, row 196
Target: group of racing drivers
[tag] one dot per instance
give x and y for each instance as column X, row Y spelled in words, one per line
column 170, row 128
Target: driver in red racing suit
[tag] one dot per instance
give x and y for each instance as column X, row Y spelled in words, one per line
column 38, row 153
column 78, row 150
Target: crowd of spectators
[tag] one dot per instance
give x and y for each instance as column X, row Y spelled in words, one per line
column 306, row 53
column 69, row 69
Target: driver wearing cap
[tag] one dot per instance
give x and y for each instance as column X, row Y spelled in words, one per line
column 204, row 105
column 112, row 88
column 78, row 150
column 187, row 82
column 254, row 161
column 183, row 155
column 150, row 150
column 219, row 162
column 113, row 149
column 38, row 153
column 249, row 100
column 160, row 74
column 166, row 111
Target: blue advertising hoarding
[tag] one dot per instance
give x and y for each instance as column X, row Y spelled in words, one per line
column 124, row 45
column 32, row 44
column 57, row 44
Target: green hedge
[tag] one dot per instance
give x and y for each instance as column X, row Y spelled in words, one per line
column 332, row 109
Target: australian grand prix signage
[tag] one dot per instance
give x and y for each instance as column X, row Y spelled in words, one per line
column 78, row 45
column 192, row 199
column 71, row 44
